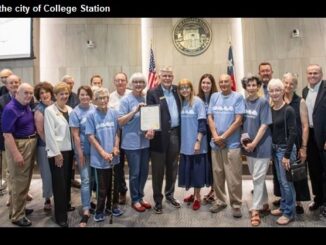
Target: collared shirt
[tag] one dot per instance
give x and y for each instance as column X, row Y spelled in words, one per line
column 266, row 94
column 115, row 98
column 18, row 120
column 172, row 105
column 311, row 100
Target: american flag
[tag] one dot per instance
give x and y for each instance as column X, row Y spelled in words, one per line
column 152, row 71
column 230, row 70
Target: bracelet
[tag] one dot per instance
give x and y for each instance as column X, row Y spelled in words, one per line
column 303, row 146
column 197, row 140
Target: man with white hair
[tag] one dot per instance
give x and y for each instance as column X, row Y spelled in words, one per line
column 20, row 141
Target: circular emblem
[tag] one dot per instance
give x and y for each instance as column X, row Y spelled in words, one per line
column 192, row 36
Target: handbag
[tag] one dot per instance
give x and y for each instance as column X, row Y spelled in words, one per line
column 297, row 171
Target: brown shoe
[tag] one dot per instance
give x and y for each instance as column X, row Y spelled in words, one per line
column 29, row 197
column 122, row 198
column 75, row 184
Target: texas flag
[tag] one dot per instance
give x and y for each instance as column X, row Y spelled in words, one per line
column 230, row 70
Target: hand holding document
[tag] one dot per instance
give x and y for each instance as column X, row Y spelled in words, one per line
column 150, row 118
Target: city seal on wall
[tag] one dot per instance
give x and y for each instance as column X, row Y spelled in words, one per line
column 192, row 36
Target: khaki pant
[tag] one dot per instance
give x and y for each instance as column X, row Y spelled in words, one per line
column 5, row 170
column 227, row 166
column 20, row 177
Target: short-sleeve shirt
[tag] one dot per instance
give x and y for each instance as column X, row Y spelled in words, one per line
column 224, row 109
column 104, row 126
column 18, row 120
column 190, row 114
column 132, row 137
column 258, row 112
column 77, row 119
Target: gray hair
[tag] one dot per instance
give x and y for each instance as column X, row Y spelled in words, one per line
column 66, row 77
column 138, row 76
column 100, row 91
column 275, row 82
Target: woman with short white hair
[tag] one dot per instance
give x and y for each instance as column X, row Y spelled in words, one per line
column 283, row 148
column 134, row 141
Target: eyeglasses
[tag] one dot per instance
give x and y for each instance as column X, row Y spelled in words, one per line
column 120, row 80
column 184, row 88
column 138, row 82
column 102, row 98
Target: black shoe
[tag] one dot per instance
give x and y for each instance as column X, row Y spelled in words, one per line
column 158, row 208
column 174, row 202
column 28, row 211
column 63, row 224
column 70, row 209
column 93, row 205
column 22, row 222
column 277, row 202
column 314, row 206
column 299, row 209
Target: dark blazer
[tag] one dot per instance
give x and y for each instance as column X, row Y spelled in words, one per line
column 154, row 97
column 3, row 90
column 4, row 100
column 319, row 114
column 73, row 100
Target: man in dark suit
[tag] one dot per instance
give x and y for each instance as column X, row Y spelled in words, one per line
column 315, row 96
column 165, row 146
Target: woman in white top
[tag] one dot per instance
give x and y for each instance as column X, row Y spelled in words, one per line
column 59, row 150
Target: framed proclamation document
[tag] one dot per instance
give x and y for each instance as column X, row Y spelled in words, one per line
column 150, row 118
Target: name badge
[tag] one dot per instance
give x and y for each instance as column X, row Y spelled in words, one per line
column 162, row 98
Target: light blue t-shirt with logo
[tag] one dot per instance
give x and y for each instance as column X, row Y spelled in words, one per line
column 132, row 137
column 224, row 109
column 258, row 112
column 189, row 126
column 104, row 126
column 77, row 119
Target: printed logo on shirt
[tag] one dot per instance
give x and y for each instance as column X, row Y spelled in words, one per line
column 223, row 108
column 105, row 125
column 251, row 113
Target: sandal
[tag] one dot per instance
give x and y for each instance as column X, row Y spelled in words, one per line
column 283, row 220
column 255, row 219
column 84, row 220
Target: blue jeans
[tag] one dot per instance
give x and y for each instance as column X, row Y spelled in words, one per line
column 138, row 172
column 85, row 176
column 44, row 166
column 287, row 205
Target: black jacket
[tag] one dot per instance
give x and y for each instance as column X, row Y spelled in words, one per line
column 154, row 97
column 319, row 114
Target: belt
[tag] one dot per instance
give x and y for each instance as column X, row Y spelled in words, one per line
column 26, row 137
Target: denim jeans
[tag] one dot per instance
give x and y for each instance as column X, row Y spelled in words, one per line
column 288, row 198
column 138, row 172
column 85, row 176
column 44, row 166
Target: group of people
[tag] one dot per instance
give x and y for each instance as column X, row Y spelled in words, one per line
column 201, row 141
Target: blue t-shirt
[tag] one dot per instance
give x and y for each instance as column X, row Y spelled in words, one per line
column 189, row 126
column 132, row 137
column 258, row 112
column 224, row 109
column 104, row 126
column 77, row 119
column 41, row 108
